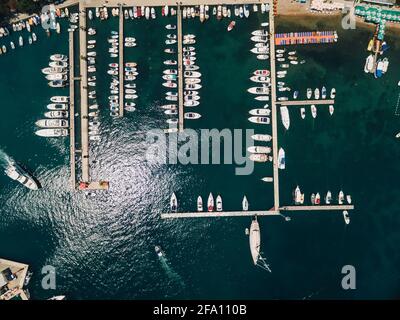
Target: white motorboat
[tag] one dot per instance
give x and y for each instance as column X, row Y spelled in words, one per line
column 323, row 92
column 302, row 112
column 263, row 57
column 52, row 133
column 341, row 197
column 219, row 203
column 210, row 203
column 262, row 98
column 58, row 57
column 245, row 204
column 173, row 203
column 57, row 106
column 331, row 109
column 316, row 93
column 169, row 106
column 346, row 217
column 59, row 99
column 298, row 196
column 261, row 137
column 260, row 157
column 313, row 111
column 56, row 76
column 369, row 64
column 199, row 204
column 191, row 103
column 267, row 179
column 260, row 79
column 309, row 93
column 57, row 84
column 192, row 115
column 260, row 120
column 57, row 298
column 260, row 112
column 170, row 27
column 348, row 199
column 191, row 74
column 258, row 149
column 56, row 114
column 261, row 72
column 17, row 173
column 333, row 93
column 52, row 123
column 281, row 159
column 258, row 90
column 328, row 197
column 285, row 117
column 53, row 70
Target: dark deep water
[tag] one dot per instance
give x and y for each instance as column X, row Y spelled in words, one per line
column 103, row 246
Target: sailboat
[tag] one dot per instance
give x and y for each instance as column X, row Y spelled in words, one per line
column 173, row 202
column 219, row 203
column 210, row 203
column 199, row 204
column 245, row 204
column 255, row 244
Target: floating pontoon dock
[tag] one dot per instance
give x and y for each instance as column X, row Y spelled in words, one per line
column 272, row 212
column 180, row 70
column 72, row 110
column 121, row 62
column 84, row 95
column 305, row 102
column 273, row 109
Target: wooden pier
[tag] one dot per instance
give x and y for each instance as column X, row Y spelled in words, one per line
column 180, row 69
column 121, row 61
column 72, row 110
column 273, row 110
column 339, row 207
column 84, row 95
column 14, row 287
column 305, row 102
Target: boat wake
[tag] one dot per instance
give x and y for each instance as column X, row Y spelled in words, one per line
column 170, row 272
column 5, row 160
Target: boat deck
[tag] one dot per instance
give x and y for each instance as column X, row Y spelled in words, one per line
column 72, row 110
column 180, row 69
column 121, row 61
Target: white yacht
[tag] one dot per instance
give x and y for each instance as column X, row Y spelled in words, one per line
column 219, row 203
column 199, row 204
column 245, row 204
column 281, row 159
column 285, row 117
column 16, row 173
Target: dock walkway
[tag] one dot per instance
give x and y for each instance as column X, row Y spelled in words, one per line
column 273, row 110
column 121, row 62
column 72, row 110
column 180, row 70
column 84, row 95
column 272, row 212
column 305, row 102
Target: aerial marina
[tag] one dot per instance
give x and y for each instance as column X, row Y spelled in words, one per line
column 110, row 76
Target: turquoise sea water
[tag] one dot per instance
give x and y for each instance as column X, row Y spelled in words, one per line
column 103, row 246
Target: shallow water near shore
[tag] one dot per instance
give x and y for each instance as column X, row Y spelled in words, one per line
column 103, row 246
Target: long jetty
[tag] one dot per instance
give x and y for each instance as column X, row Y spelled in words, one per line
column 72, row 110
column 272, row 212
column 180, row 70
column 305, row 102
column 84, row 95
column 121, row 61
column 273, row 109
